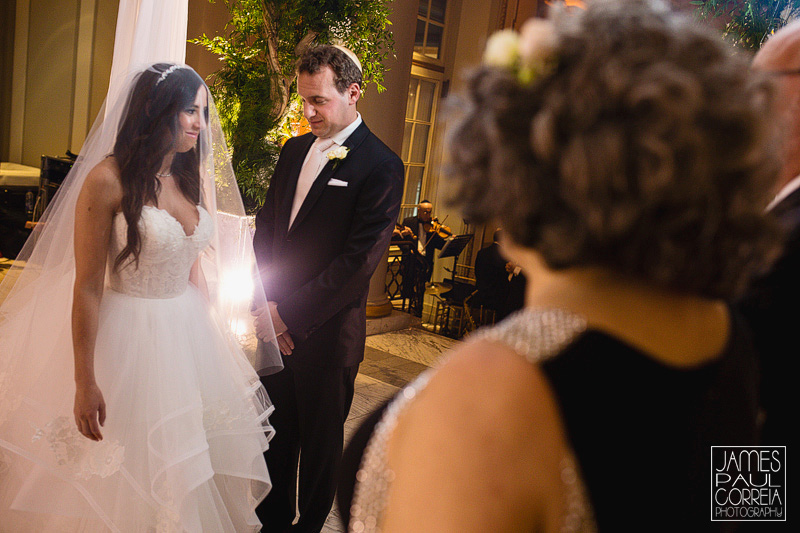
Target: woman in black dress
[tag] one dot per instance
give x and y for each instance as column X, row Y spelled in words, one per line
column 628, row 155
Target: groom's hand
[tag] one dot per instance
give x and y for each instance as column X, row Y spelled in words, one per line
column 265, row 330
column 267, row 318
column 285, row 343
column 268, row 322
column 277, row 322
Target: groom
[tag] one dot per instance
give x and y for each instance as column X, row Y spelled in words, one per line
column 325, row 224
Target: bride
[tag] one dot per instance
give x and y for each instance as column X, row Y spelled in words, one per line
column 164, row 424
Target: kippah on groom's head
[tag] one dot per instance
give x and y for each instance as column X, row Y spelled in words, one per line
column 344, row 64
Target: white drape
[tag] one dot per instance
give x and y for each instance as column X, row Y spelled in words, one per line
column 148, row 31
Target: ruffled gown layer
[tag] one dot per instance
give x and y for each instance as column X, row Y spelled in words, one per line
column 186, row 419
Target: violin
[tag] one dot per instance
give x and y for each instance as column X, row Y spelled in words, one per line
column 434, row 226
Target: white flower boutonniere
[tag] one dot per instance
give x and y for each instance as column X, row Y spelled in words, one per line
column 337, row 155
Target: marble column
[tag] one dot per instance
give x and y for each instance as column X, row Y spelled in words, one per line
column 385, row 115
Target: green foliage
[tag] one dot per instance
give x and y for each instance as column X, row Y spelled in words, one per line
column 750, row 21
column 256, row 84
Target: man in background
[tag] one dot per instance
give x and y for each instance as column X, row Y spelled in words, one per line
column 427, row 240
column 772, row 305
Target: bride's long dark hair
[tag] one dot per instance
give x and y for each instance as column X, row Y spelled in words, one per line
column 146, row 135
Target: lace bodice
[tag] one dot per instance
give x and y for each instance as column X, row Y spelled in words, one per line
column 166, row 256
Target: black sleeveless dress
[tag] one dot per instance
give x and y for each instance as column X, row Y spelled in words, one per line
column 641, row 431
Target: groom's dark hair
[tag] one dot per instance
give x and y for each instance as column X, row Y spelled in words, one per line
column 345, row 71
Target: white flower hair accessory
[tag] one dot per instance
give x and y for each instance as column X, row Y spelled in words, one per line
column 502, row 49
column 338, row 154
column 531, row 53
column 169, row 71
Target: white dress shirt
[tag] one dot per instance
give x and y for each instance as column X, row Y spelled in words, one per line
column 313, row 159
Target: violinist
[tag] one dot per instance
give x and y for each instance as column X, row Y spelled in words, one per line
column 430, row 234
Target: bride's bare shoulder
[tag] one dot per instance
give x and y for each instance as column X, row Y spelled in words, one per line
column 107, row 169
column 103, row 182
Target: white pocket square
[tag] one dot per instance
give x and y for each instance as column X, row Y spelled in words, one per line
column 337, row 183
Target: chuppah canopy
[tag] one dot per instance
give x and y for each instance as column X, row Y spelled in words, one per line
column 148, row 31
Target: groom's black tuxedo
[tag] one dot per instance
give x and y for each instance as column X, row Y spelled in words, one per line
column 318, row 272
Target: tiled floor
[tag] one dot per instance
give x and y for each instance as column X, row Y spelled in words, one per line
column 390, row 361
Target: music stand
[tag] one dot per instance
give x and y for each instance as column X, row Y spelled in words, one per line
column 453, row 248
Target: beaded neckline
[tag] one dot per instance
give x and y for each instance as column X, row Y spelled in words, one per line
column 536, row 333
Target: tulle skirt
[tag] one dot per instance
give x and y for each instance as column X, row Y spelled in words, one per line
column 185, row 430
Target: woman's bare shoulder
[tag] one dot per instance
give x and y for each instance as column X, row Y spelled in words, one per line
column 486, row 425
column 487, row 381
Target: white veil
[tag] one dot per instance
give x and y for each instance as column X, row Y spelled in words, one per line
column 36, row 355
column 148, row 31
column 36, row 294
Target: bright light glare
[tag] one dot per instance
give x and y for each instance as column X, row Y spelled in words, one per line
column 237, row 287
column 238, row 327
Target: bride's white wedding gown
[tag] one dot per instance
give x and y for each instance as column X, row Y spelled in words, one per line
column 186, row 414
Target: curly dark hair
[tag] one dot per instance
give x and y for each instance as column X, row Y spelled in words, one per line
column 345, row 71
column 647, row 150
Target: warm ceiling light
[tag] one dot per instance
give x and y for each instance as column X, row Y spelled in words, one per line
column 569, row 3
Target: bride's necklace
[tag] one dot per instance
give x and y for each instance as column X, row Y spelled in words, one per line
column 164, row 175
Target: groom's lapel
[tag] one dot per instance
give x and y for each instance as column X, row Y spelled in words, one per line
column 330, row 168
column 285, row 209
